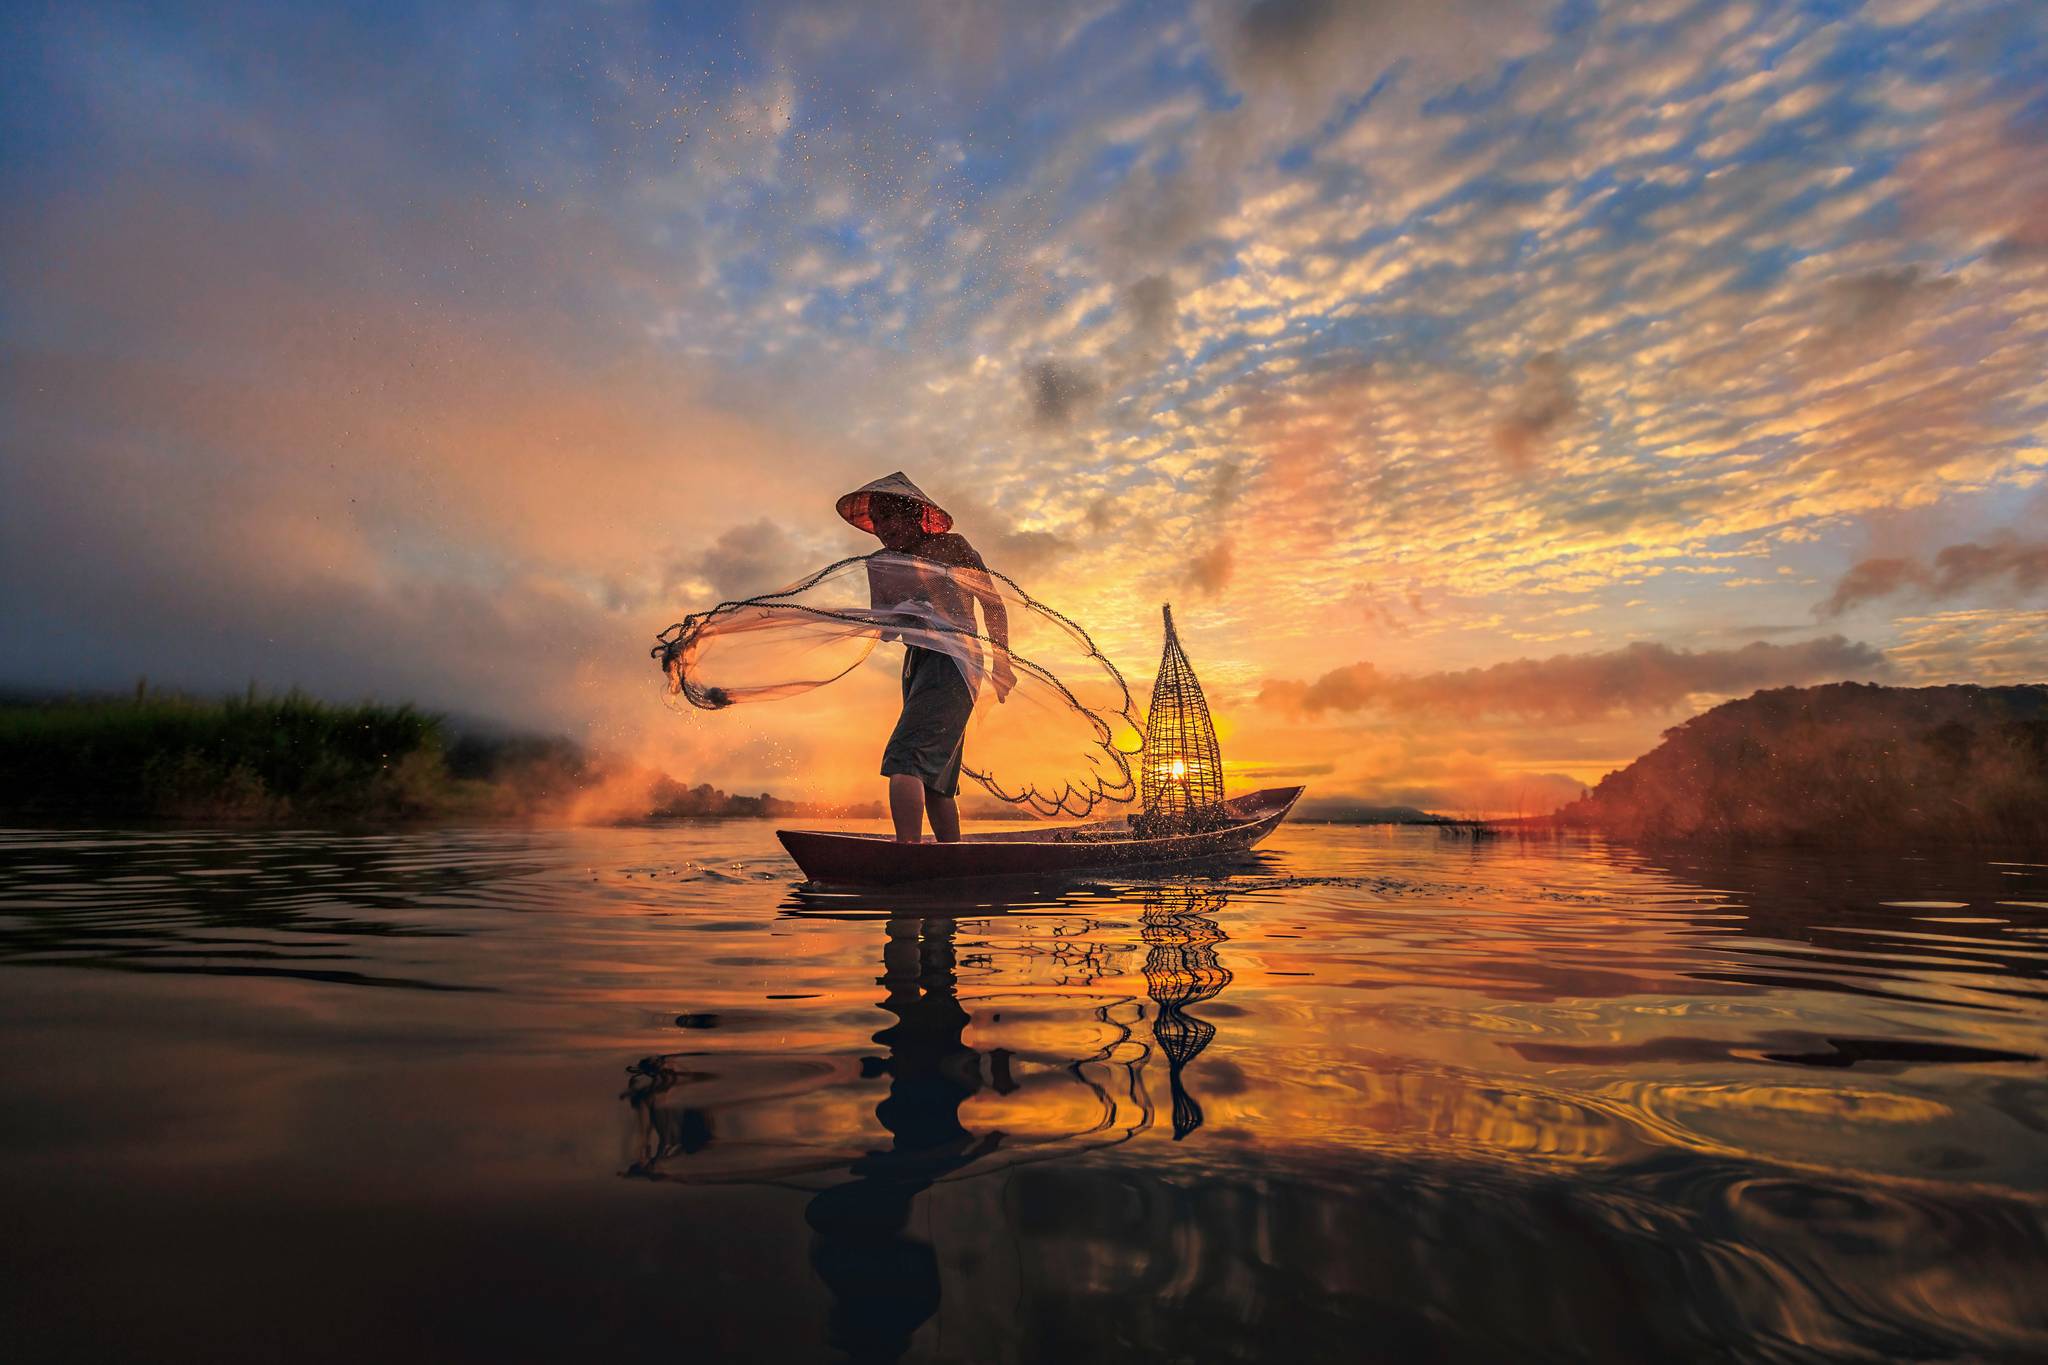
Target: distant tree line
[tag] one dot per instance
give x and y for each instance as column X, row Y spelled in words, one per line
column 672, row 798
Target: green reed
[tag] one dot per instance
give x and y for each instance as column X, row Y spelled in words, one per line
column 252, row 757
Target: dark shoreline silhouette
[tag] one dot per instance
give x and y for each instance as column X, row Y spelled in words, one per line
column 262, row 759
column 1841, row 765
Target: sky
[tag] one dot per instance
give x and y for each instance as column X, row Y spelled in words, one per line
column 1488, row 386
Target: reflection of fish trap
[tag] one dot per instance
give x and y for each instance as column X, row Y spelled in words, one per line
column 1182, row 969
column 1181, row 769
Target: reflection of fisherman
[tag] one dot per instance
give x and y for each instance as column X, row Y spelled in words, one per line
column 884, row 1282
column 922, row 759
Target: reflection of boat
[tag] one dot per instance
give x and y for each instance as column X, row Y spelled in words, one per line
column 878, row 859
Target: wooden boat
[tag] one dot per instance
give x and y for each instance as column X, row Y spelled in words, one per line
column 1101, row 845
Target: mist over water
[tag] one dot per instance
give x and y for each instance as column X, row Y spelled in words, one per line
column 1370, row 1094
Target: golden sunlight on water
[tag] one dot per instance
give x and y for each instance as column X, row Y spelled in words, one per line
column 1460, row 1097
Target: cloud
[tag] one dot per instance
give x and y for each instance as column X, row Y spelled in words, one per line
column 1162, row 212
column 1226, row 484
column 1641, row 678
column 1057, row 390
column 1021, row 552
column 1878, row 300
column 1311, row 50
column 1209, row 570
column 1871, row 579
column 1959, row 568
column 1281, row 771
column 1975, row 645
column 2021, row 565
column 1484, row 793
column 1382, row 607
column 1979, row 180
column 247, row 446
column 1150, row 303
column 1284, row 33
column 759, row 557
column 1007, row 548
column 1546, row 399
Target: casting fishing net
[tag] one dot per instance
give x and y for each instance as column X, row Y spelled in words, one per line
column 1052, row 727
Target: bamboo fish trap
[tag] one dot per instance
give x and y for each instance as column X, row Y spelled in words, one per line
column 1180, row 772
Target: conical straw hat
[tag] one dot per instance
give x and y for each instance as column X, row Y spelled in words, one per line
column 854, row 506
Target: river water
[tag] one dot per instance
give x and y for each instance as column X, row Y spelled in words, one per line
column 1371, row 1094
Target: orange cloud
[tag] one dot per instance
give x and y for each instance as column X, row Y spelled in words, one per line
column 1637, row 678
column 2021, row 565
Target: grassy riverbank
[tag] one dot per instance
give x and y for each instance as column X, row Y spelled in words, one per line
column 258, row 759
column 251, row 758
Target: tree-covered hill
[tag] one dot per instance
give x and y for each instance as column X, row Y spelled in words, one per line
column 1847, row 763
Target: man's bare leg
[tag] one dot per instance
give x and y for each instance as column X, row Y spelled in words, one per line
column 906, row 807
column 945, row 813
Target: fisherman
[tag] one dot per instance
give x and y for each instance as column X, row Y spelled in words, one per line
column 922, row 758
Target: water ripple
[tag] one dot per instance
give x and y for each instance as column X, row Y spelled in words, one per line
column 1777, row 1106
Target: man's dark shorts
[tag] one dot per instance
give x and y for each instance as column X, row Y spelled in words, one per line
column 928, row 736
